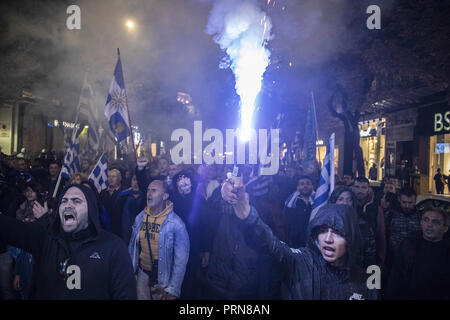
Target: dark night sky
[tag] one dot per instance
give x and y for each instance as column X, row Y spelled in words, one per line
column 170, row 51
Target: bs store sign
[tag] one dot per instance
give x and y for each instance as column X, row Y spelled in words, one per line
column 434, row 120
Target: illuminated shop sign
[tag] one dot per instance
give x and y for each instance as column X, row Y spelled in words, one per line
column 370, row 128
column 368, row 133
column 441, row 121
column 65, row 124
column 433, row 120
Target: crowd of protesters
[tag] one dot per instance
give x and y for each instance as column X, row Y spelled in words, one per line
column 164, row 231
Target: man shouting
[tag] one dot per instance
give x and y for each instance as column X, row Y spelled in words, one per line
column 159, row 246
column 75, row 258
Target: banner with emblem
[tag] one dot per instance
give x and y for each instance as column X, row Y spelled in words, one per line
column 116, row 105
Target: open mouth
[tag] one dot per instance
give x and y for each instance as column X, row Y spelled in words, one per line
column 69, row 218
column 328, row 251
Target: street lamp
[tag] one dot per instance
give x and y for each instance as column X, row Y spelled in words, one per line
column 130, row 25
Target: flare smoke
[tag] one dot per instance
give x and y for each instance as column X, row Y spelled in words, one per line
column 242, row 29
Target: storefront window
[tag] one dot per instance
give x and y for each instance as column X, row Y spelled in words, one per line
column 372, row 143
column 439, row 158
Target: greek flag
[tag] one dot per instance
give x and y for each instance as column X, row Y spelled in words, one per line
column 326, row 181
column 98, row 175
column 116, row 105
column 71, row 160
column 309, row 141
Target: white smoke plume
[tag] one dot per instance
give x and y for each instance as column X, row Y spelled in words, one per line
column 242, row 30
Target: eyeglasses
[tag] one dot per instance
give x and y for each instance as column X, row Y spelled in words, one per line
column 63, row 268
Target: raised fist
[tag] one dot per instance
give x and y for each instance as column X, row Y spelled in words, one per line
column 142, row 162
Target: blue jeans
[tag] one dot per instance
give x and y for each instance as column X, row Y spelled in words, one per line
column 24, row 262
column 7, row 291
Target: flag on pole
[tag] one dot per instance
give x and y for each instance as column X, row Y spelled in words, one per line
column 309, row 142
column 98, row 175
column 87, row 115
column 116, row 105
column 71, row 159
column 326, row 182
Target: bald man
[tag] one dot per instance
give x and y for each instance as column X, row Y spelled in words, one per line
column 159, row 247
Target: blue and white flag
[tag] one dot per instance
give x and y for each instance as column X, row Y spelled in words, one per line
column 99, row 175
column 309, row 142
column 116, row 105
column 71, row 159
column 326, row 181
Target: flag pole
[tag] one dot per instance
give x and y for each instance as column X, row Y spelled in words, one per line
column 332, row 169
column 315, row 119
column 57, row 183
column 128, row 111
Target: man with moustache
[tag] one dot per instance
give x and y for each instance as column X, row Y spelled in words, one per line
column 363, row 193
column 74, row 240
column 404, row 220
column 297, row 211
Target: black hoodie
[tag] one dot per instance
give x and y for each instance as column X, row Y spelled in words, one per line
column 191, row 209
column 105, row 265
column 306, row 274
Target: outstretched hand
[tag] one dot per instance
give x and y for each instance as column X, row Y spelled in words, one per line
column 237, row 197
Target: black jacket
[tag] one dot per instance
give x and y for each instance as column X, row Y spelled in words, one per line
column 235, row 270
column 192, row 210
column 306, row 274
column 10, row 200
column 409, row 280
column 103, row 259
column 297, row 220
column 114, row 212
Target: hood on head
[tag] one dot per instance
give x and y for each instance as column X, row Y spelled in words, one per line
column 92, row 204
column 341, row 218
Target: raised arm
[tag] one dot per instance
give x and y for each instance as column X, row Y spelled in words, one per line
column 28, row 236
column 141, row 176
column 259, row 236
